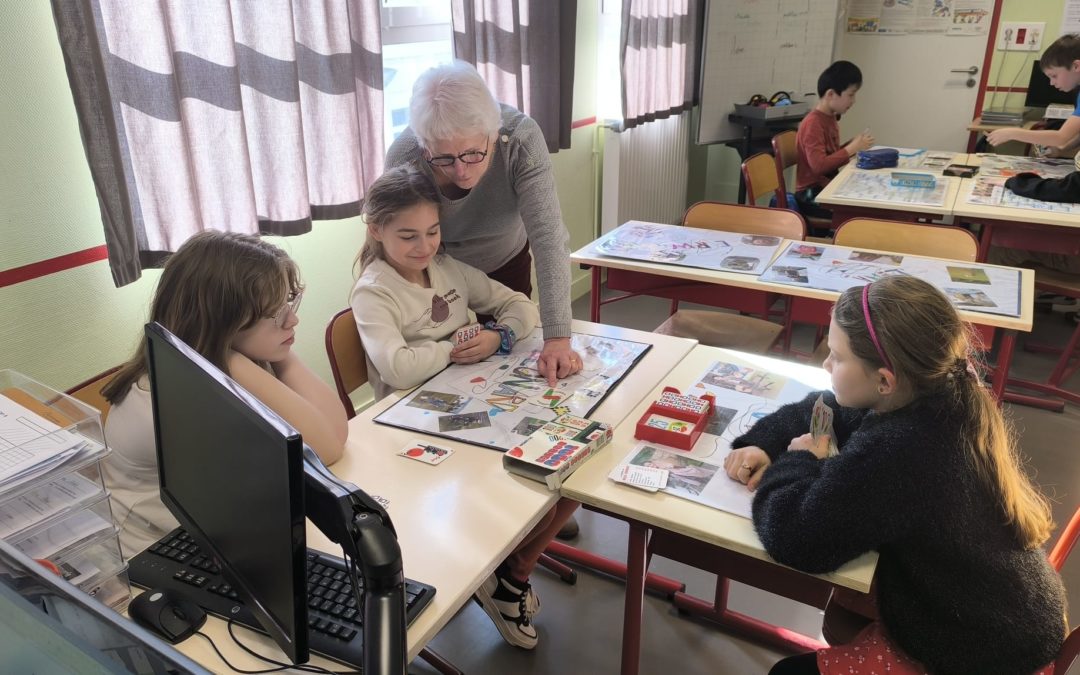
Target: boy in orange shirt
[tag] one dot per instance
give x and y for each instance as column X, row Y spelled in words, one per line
column 818, row 142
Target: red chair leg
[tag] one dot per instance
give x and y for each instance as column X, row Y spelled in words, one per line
column 1063, row 370
column 437, row 662
column 563, row 570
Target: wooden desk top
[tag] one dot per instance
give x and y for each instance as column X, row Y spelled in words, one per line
column 963, row 209
column 590, row 484
column 587, row 255
column 456, row 521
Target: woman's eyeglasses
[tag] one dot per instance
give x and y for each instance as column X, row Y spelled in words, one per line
column 467, row 157
column 291, row 305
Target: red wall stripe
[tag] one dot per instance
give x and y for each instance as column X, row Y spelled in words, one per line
column 52, row 265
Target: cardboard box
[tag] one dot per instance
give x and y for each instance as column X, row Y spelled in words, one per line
column 554, row 451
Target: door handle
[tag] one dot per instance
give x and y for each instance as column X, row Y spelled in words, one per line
column 973, row 70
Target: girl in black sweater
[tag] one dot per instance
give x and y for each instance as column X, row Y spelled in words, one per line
column 928, row 476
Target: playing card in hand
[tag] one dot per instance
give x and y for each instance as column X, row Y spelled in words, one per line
column 821, row 424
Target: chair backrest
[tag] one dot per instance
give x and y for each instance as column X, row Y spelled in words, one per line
column 746, row 219
column 89, row 392
column 759, row 175
column 785, row 154
column 937, row 241
column 1068, row 653
column 348, row 362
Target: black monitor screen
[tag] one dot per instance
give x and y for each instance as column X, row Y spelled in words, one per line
column 1041, row 93
column 232, row 474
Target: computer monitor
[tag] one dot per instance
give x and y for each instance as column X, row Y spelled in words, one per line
column 232, row 473
column 1041, row 93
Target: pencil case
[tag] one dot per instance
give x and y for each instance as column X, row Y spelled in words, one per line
column 877, row 158
column 912, row 180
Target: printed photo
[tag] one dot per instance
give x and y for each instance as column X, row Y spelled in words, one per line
column 686, row 477
column 789, row 275
column 744, row 380
column 805, row 252
column 528, row 425
column 969, row 297
column 760, row 240
column 968, row 275
column 719, row 420
column 439, row 401
column 473, row 420
column 739, row 263
column 881, row 258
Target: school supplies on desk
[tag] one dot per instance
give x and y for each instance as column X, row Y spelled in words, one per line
column 555, row 450
column 675, row 419
column 912, row 180
column 877, row 158
column 961, row 170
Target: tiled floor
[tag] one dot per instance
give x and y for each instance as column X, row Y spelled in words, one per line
column 580, row 628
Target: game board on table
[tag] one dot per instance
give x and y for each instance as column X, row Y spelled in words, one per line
column 498, row 402
column 877, row 186
column 971, row 286
column 744, row 392
column 689, row 247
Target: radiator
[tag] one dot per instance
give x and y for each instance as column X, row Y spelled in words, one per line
column 645, row 173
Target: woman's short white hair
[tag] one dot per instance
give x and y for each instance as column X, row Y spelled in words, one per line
column 450, row 102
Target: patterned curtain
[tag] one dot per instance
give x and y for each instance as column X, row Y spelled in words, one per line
column 660, row 53
column 242, row 115
column 524, row 50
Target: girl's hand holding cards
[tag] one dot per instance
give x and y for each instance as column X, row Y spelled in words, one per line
column 477, row 348
column 819, row 446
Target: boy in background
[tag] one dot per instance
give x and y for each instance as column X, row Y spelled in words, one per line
column 818, row 142
column 1061, row 64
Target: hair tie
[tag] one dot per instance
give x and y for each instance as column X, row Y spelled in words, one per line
column 870, row 327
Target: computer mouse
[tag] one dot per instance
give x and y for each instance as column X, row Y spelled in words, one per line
column 167, row 614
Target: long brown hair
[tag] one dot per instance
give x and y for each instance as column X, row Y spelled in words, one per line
column 216, row 285
column 398, row 189
column 931, row 351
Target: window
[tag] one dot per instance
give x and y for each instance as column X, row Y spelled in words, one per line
column 416, row 35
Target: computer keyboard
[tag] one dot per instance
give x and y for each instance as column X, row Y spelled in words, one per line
column 176, row 563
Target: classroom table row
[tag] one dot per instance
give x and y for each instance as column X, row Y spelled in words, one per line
column 458, row 520
column 1030, row 229
column 588, row 256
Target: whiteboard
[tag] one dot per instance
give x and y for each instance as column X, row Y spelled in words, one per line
column 761, row 47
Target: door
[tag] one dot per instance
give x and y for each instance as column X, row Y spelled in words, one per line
column 910, row 97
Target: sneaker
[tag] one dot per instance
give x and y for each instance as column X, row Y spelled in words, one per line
column 569, row 529
column 511, row 609
column 1071, row 306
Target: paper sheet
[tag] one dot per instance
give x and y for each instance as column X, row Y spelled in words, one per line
column 689, row 247
column 972, row 286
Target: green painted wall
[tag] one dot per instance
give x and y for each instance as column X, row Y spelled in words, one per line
column 66, row 327
column 1007, row 67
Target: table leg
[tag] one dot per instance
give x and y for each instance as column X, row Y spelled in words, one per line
column 1001, row 371
column 636, row 566
column 594, row 300
column 986, row 234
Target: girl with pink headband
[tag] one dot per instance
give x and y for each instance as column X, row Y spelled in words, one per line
column 928, row 476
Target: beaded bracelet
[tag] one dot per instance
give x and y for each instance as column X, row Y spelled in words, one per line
column 506, row 336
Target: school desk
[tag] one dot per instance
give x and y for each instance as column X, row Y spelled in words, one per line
column 455, row 521
column 701, row 536
column 587, row 256
column 846, row 208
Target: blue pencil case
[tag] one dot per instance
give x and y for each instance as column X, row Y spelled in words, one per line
column 877, row 158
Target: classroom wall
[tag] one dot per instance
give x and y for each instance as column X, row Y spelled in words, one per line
column 68, row 326
column 1009, row 67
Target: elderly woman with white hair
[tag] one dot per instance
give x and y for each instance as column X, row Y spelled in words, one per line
column 496, row 200
column 497, row 195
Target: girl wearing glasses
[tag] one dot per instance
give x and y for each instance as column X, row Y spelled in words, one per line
column 496, row 194
column 233, row 298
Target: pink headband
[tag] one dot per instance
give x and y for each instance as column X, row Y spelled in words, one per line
column 870, row 326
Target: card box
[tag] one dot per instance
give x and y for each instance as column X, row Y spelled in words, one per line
column 554, row 451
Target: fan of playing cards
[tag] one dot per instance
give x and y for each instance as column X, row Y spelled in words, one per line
column 821, row 424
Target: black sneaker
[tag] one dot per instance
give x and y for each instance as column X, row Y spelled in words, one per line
column 511, row 609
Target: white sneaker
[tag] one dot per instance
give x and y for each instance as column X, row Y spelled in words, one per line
column 511, row 609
